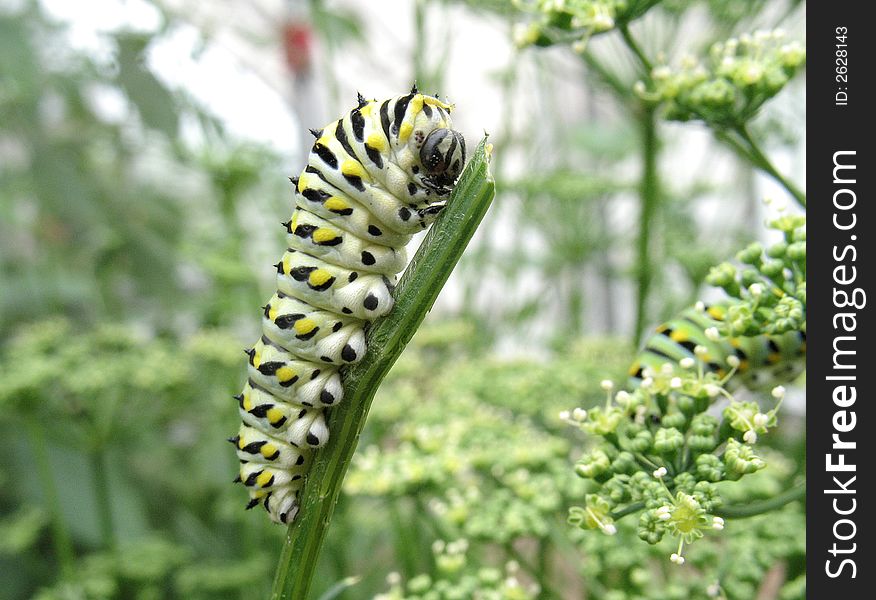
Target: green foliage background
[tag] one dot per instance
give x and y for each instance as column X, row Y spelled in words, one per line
column 127, row 292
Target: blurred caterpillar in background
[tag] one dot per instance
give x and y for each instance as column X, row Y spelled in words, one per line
column 374, row 177
column 764, row 360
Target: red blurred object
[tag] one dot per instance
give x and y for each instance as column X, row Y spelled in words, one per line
column 298, row 45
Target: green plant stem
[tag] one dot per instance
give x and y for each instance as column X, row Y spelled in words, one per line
column 763, row 506
column 100, row 481
column 627, row 510
column 540, row 577
column 763, row 163
column 620, row 89
column 649, row 197
column 60, row 533
column 415, row 294
column 634, row 46
column 405, row 545
column 748, row 149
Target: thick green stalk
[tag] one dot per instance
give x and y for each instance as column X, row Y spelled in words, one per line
column 415, row 294
column 649, row 197
column 761, row 161
column 763, row 506
column 102, row 496
column 634, row 46
column 60, row 532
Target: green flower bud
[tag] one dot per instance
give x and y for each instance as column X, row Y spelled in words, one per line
column 668, row 440
column 751, row 255
column 702, row 443
column 777, row 250
column 685, row 482
column 772, row 268
column 650, row 528
column 792, row 55
column 675, row 420
column 594, row 515
column 704, row 424
column 593, row 464
column 749, row 276
column 740, row 459
column 797, row 251
column 741, row 414
column 687, row 405
column 707, row 495
column 624, row 462
column 709, row 467
column 603, row 421
column 617, row 489
column 643, row 487
column 641, row 442
column 723, row 275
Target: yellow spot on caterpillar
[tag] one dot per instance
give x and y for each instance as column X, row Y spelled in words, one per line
column 328, row 133
column 404, row 132
column 263, row 479
column 302, row 183
column 354, row 168
column 662, row 328
column 275, row 415
column 241, row 443
column 679, row 336
column 304, row 326
column 736, row 342
column 432, row 101
column 319, row 277
column 376, row 141
column 247, row 401
column 416, row 104
column 366, row 110
column 272, row 313
column 286, row 266
column 324, row 234
column 284, row 374
column 774, row 357
column 633, row 369
column 335, row 204
column 258, row 495
column 743, row 365
column 257, row 359
column 716, row 312
column 268, row 450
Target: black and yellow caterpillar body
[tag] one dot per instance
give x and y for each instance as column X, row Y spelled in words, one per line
column 374, row 177
column 764, row 360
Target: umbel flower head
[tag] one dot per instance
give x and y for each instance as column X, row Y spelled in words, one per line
column 727, row 89
column 573, row 21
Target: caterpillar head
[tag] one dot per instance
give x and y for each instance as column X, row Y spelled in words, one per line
column 443, row 157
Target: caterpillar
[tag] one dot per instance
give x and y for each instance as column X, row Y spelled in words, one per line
column 374, row 177
column 764, row 360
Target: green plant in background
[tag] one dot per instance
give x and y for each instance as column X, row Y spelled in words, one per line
column 744, row 73
column 661, row 453
column 121, row 249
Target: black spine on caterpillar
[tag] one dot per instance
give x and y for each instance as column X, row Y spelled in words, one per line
column 374, row 177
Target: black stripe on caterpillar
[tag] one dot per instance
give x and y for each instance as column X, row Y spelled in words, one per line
column 762, row 361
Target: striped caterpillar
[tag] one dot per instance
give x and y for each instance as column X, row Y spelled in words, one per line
column 374, row 177
column 764, row 360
